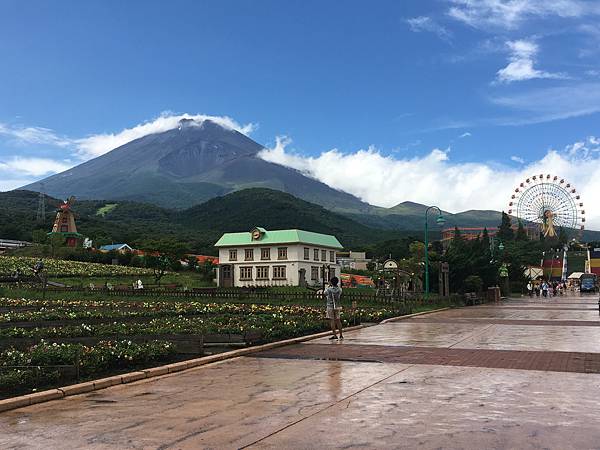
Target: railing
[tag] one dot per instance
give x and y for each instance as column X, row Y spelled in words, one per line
column 239, row 294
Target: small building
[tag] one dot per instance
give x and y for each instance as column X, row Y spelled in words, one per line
column 276, row 258
column 122, row 248
column 353, row 260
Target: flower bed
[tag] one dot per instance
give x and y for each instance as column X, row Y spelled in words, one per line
column 63, row 268
column 112, row 320
column 34, row 365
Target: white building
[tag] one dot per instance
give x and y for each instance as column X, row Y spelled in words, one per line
column 276, row 258
column 353, row 260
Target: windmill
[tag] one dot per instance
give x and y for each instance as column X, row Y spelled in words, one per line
column 64, row 223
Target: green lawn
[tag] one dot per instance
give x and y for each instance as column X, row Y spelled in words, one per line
column 106, row 209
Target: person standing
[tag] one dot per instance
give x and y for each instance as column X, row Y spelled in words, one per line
column 333, row 294
column 545, row 289
column 530, row 288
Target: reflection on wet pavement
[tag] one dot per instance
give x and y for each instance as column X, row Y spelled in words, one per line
column 278, row 402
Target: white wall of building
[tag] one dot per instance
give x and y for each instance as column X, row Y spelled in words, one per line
column 294, row 262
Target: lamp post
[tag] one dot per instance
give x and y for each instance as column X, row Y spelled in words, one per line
column 440, row 221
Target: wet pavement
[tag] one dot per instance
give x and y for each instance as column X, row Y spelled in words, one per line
column 524, row 374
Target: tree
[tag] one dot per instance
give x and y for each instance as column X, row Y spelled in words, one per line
column 56, row 241
column 563, row 238
column 485, row 240
column 521, row 233
column 160, row 265
column 162, row 256
column 39, row 236
column 505, row 231
column 473, row 283
column 192, row 262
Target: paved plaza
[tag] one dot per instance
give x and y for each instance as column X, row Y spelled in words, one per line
column 524, row 374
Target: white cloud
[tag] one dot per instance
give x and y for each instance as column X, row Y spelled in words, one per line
column 34, row 135
column 435, row 179
column 424, row 23
column 548, row 104
column 98, row 144
column 32, row 167
column 510, row 14
column 517, row 159
column 464, row 135
column 521, row 61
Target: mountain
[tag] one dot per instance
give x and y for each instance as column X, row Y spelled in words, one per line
column 186, row 166
column 200, row 161
column 199, row 227
column 411, row 216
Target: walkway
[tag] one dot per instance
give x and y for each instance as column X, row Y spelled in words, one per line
column 522, row 375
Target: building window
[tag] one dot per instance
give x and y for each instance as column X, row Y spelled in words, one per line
column 262, row 273
column 265, row 254
column 245, row 273
column 279, row 273
column 282, row 253
column 64, row 228
column 316, row 254
column 232, row 255
column 249, row 254
column 306, row 253
column 331, row 273
column 323, row 255
column 331, row 256
column 314, row 273
column 322, row 272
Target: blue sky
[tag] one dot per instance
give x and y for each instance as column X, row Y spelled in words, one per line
column 473, row 90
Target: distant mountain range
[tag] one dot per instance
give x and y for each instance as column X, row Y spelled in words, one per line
column 199, row 227
column 200, row 161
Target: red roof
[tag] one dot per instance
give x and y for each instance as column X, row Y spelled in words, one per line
column 204, row 258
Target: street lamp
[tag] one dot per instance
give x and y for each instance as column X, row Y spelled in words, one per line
column 440, row 221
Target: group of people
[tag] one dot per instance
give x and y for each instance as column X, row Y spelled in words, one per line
column 546, row 288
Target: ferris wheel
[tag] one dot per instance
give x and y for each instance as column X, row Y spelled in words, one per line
column 549, row 201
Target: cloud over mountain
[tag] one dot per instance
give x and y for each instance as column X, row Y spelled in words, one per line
column 435, row 179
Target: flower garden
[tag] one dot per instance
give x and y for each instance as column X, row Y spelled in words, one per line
column 48, row 342
column 62, row 268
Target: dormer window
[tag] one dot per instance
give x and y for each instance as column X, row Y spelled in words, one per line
column 257, row 233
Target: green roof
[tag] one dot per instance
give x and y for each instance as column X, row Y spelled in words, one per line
column 278, row 237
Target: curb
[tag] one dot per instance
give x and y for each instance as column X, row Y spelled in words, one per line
column 95, row 385
column 396, row 319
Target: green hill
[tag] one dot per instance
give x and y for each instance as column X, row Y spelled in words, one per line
column 199, row 227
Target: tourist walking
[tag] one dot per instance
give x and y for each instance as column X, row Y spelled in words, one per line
column 530, row 289
column 333, row 294
column 545, row 289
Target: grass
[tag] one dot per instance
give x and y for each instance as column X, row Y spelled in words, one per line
column 106, row 209
column 189, row 279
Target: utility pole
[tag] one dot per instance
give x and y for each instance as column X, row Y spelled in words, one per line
column 41, row 209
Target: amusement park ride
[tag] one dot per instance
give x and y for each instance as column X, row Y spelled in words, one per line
column 549, row 201
column 64, row 224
